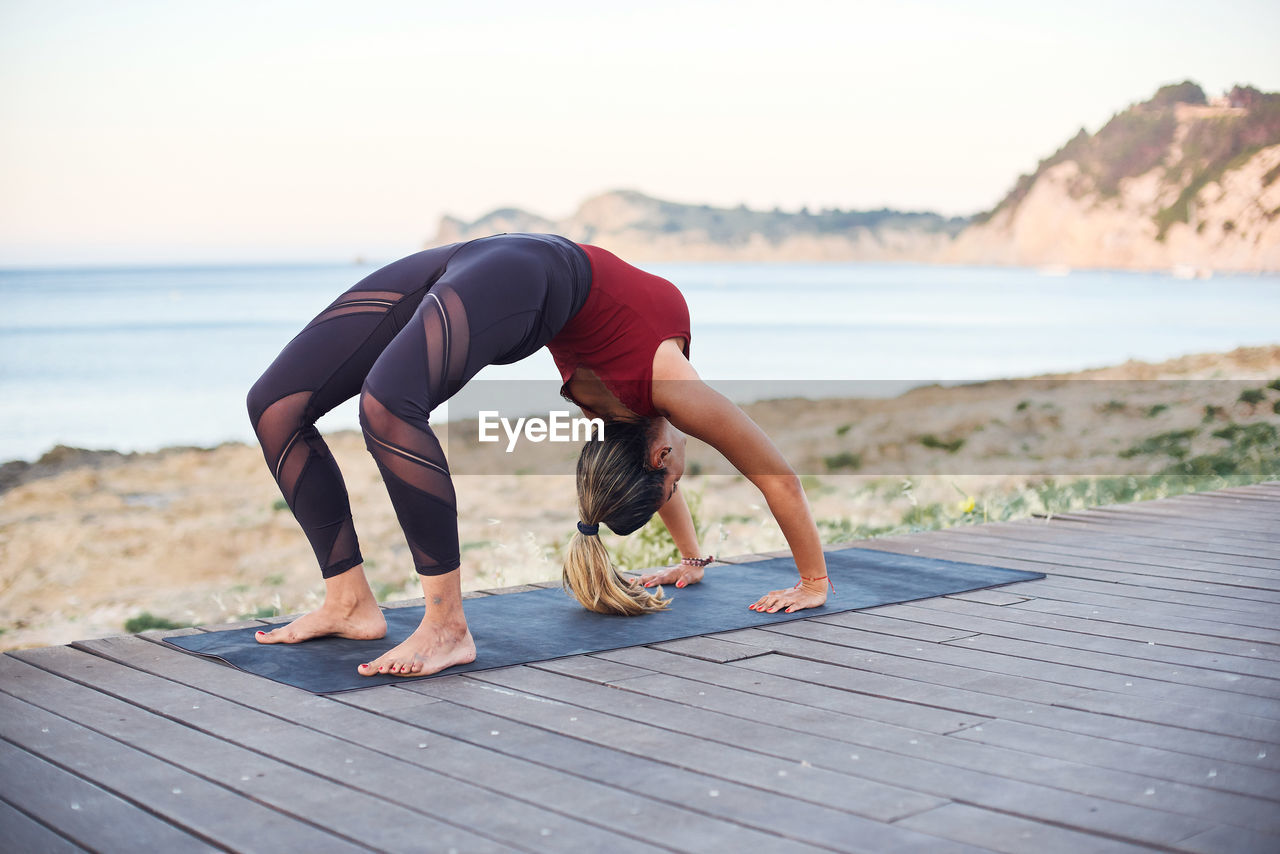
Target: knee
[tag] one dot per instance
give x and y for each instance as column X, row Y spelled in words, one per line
column 273, row 407
column 385, row 416
column 258, row 399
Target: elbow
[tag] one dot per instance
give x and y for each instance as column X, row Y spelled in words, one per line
column 784, row 489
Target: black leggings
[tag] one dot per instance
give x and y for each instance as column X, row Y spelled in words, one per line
column 405, row 339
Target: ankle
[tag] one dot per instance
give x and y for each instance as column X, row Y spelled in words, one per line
column 349, row 601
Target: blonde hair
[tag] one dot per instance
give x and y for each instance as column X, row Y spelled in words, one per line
column 615, row 487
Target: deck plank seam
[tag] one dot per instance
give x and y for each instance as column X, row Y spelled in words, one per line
column 333, row 780
column 530, row 800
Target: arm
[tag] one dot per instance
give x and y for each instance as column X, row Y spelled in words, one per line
column 699, row 410
column 675, row 515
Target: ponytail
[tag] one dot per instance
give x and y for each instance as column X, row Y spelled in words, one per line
column 616, row 487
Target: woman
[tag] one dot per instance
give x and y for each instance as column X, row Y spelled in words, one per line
column 408, row 336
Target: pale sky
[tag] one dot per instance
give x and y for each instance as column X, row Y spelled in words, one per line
column 228, row 131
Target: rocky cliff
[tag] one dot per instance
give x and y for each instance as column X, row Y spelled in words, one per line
column 1174, row 183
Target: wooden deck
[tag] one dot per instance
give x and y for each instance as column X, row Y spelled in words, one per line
column 1126, row 702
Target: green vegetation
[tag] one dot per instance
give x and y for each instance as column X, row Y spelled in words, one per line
column 1252, row 450
column 279, row 504
column 1185, row 92
column 147, row 621
column 1252, row 397
column 260, row 613
column 1251, row 454
column 1212, row 413
column 1175, row 443
column 931, row 441
column 842, row 460
column 1113, row 406
column 843, row 429
column 1215, row 146
column 1153, row 411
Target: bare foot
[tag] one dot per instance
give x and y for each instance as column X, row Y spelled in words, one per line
column 431, row 648
column 362, row 621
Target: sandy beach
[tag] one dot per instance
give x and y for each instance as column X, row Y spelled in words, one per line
column 89, row 540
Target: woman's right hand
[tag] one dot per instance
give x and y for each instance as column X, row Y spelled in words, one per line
column 681, row 575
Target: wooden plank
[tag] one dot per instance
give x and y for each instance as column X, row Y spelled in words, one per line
column 1158, row 760
column 880, row 624
column 546, row 731
column 618, row 810
column 591, row 669
column 1165, row 637
column 1233, row 839
column 988, row 597
column 991, row 697
column 1155, row 531
column 1128, row 572
column 373, row 798
column 90, row 816
column 1043, row 669
column 1228, row 514
column 1179, row 529
column 1153, row 762
column 912, row 759
column 713, row 649
column 1262, row 642
column 1092, row 523
column 870, row 709
column 196, row 805
column 1154, row 600
column 823, row 758
column 996, row 831
column 699, row 752
column 1026, row 691
column 1138, row 657
column 1202, row 512
column 1126, row 562
column 21, row 833
column 1111, row 549
column 1238, row 599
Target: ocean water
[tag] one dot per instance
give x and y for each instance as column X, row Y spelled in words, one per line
column 140, row 358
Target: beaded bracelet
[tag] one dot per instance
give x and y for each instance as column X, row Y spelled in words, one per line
column 697, row 561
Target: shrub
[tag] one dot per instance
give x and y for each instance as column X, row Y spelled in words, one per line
column 147, row 621
column 843, row 460
column 931, row 441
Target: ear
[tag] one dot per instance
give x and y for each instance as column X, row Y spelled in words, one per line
column 658, row 456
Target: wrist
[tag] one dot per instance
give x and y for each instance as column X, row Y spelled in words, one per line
column 697, row 561
column 816, row 583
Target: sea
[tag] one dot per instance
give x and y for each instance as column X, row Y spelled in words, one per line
column 139, row 358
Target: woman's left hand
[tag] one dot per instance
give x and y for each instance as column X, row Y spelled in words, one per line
column 681, row 575
column 791, row 600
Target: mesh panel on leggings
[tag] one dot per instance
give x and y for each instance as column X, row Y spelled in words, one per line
column 404, row 446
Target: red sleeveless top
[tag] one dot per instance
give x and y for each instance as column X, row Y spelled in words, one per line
column 627, row 314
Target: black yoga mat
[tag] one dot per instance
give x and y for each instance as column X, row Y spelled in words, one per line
column 538, row 625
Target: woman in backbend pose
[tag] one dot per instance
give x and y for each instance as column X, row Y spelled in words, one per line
column 408, row 336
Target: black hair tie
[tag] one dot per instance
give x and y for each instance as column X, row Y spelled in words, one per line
column 588, row 530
